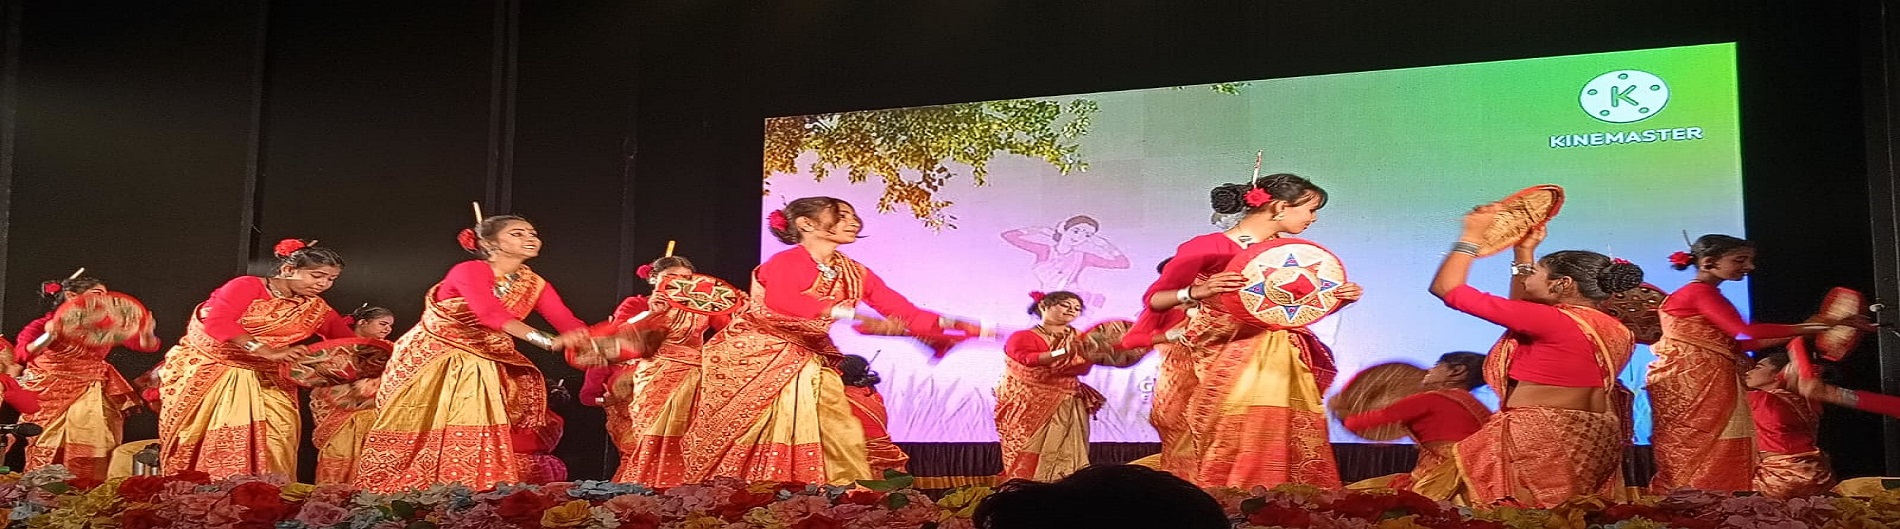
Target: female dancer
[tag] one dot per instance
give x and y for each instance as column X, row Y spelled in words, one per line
column 82, row 398
column 1558, row 432
column 343, row 412
column 860, row 387
column 1062, row 255
column 1704, row 438
column 228, row 409
column 1436, row 419
column 55, row 293
column 774, row 406
column 1786, row 426
column 1042, row 410
column 373, row 322
column 648, row 412
column 456, row 385
column 1248, row 437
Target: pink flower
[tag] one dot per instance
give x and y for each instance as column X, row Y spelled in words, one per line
column 1681, row 259
column 322, row 514
column 777, row 221
column 631, row 504
column 1257, row 197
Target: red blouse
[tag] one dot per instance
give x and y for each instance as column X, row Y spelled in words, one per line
column 1431, row 416
column 1551, row 348
column 1202, row 256
column 1887, row 405
column 474, row 282
column 229, row 302
column 1780, row 427
column 789, row 275
column 1024, row 346
column 18, row 398
column 33, row 331
column 1702, row 299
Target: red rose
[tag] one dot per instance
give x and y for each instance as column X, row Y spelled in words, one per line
column 741, row 501
column 257, row 494
column 1273, row 514
column 287, row 246
column 645, row 271
column 142, row 519
column 645, row 520
column 862, row 497
column 141, row 488
column 1257, row 197
column 50, row 287
column 818, row 521
column 523, row 506
column 466, row 238
column 268, row 514
column 777, row 221
column 194, row 476
column 1681, row 259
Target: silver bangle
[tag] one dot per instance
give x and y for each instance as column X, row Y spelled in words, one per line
column 1466, row 248
column 1849, row 398
column 252, row 346
column 1523, row 269
column 540, row 339
column 1185, row 295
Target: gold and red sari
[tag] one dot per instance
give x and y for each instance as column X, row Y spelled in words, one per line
column 343, row 414
column 1258, row 413
column 884, row 454
column 1175, row 383
column 1704, row 438
column 227, row 412
column 1797, row 475
column 1043, row 412
column 449, row 396
column 1541, row 456
column 647, row 415
column 1436, row 474
column 82, row 408
column 772, row 406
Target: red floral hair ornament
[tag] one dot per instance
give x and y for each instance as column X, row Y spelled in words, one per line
column 645, row 271
column 1257, row 197
column 777, row 221
column 1681, row 259
column 1038, row 295
column 288, row 246
column 466, row 238
column 50, row 287
column 1619, row 260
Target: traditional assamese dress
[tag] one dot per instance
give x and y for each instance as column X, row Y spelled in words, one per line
column 868, row 406
column 343, row 414
column 1704, row 438
column 1436, row 420
column 649, row 420
column 1257, row 412
column 534, row 451
column 772, row 406
column 456, row 386
column 229, row 412
column 82, row 403
column 1043, row 411
column 1785, row 427
column 1537, row 455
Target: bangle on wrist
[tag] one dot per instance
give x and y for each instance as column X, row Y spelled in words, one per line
column 1185, row 295
column 1058, row 353
column 1848, row 397
column 1522, row 269
column 252, row 346
column 540, row 339
column 1467, row 248
column 843, row 312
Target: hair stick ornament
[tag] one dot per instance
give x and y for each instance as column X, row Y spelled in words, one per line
column 669, row 248
column 478, row 212
column 76, row 273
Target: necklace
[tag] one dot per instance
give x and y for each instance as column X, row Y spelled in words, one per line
column 272, row 287
column 504, row 283
column 826, row 270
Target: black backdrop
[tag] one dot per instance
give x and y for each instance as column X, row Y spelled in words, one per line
column 165, row 146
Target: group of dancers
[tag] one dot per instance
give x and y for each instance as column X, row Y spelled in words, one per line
column 762, row 393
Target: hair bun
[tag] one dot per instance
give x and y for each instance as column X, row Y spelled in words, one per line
column 1229, row 199
column 287, row 246
column 1619, row 277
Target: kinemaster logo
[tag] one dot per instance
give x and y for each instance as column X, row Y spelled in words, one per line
column 1622, row 97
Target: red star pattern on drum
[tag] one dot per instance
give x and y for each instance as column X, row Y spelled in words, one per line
column 1302, row 291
